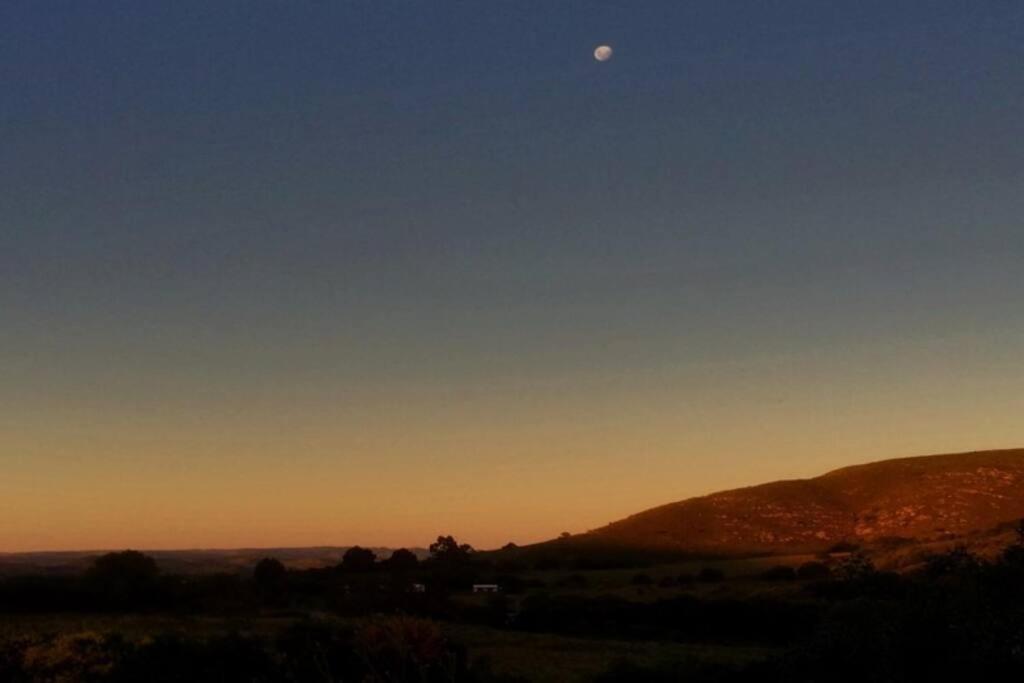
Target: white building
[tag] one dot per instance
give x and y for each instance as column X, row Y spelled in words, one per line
column 485, row 588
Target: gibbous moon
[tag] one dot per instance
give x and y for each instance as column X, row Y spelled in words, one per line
column 603, row 53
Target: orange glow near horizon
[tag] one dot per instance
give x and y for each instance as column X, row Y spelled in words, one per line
column 510, row 461
column 334, row 273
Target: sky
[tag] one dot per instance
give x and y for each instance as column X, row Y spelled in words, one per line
column 367, row 271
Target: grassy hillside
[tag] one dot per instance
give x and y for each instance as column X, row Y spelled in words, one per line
column 924, row 499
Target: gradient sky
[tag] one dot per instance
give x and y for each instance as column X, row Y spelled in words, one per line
column 366, row 271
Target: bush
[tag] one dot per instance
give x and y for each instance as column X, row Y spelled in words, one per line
column 62, row 658
column 957, row 561
column 572, row 581
column 813, row 571
column 385, row 650
column 358, row 559
column 125, row 580
column 779, row 573
column 710, row 575
column 856, row 567
column 173, row 658
column 269, row 573
column 641, row 580
column 407, row 649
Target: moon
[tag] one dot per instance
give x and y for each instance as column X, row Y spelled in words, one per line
column 603, row 53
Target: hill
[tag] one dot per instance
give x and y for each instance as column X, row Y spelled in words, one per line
column 919, row 499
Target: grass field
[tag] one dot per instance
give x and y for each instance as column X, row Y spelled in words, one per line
column 549, row 658
column 534, row 657
column 525, row 655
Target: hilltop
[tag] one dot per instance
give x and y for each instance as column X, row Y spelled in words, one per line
column 921, row 499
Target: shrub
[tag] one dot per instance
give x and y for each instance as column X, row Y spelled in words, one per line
column 710, row 575
column 405, row 649
column 572, row 581
column 856, row 567
column 957, row 561
column 269, row 573
column 813, row 571
column 641, row 580
column 779, row 573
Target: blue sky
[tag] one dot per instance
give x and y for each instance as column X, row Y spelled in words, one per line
column 427, row 234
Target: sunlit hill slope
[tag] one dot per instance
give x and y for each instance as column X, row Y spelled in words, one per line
column 923, row 499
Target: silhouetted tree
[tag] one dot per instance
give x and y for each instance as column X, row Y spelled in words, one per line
column 358, row 559
column 402, row 560
column 447, row 549
column 125, row 580
column 269, row 573
column 127, row 566
column 1013, row 555
column 856, row 567
column 957, row 561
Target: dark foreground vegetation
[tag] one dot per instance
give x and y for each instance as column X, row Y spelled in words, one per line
column 956, row 618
